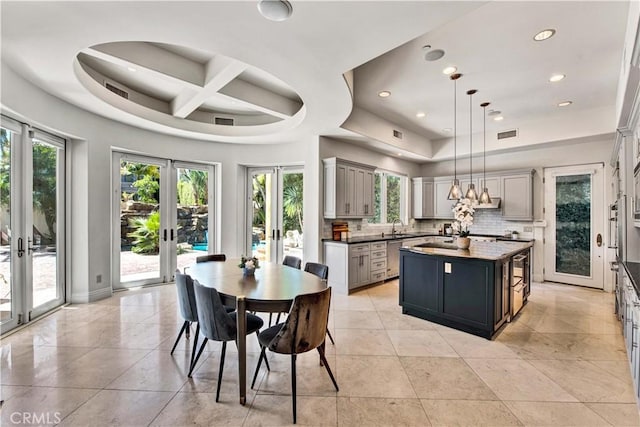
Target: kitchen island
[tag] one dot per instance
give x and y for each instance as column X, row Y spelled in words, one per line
column 473, row 290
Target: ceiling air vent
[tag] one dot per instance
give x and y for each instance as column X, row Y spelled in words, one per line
column 508, row 134
column 397, row 134
column 225, row 121
column 118, row 91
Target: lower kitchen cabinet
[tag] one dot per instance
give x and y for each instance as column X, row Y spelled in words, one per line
column 355, row 265
column 629, row 314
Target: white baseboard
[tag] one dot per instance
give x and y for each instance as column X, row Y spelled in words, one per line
column 95, row 295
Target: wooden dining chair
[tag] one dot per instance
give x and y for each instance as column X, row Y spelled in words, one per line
column 303, row 331
column 211, row 257
column 322, row 271
column 218, row 325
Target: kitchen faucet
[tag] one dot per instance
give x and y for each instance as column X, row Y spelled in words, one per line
column 393, row 225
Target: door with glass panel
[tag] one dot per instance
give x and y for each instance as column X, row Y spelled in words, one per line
column 140, row 221
column 275, row 211
column 32, row 233
column 574, row 213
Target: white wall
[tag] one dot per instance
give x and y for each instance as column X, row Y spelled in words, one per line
column 92, row 139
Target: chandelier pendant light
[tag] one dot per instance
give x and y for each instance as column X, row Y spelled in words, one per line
column 454, row 192
column 471, row 192
column 485, row 199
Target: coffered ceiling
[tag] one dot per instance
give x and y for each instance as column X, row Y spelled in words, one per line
column 186, row 65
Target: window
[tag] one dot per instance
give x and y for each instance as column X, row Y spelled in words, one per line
column 390, row 197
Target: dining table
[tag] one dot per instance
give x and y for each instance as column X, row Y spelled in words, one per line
column 271, row 289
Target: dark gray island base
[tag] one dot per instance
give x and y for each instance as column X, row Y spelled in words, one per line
column 469, row 290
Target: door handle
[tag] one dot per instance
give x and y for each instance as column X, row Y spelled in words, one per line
column 172, row 234
column 278, row 234
column 273, row 234
column 165, row 234
column 20, row 247
column 599, row 240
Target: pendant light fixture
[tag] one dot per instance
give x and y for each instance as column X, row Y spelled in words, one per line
column 484, row 197
column 471, row 192
column 454, row 192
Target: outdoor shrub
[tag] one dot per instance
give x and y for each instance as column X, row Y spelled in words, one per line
column 146, row 235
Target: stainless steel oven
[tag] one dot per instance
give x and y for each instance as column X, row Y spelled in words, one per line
column 519, row 281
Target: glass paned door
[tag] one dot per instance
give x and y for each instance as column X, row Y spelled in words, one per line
column 32, row 182
column 276, row 213
column 574, row 246
column 140, row 221
column 194, row 218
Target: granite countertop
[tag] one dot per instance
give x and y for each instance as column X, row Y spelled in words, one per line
column 388, row 236
column 633, row 271
column 492, row 251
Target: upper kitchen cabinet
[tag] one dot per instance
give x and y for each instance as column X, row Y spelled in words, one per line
column 493, row 185
column 423, row 197
column 442, row 205
column 517, row 195
column 348, row 189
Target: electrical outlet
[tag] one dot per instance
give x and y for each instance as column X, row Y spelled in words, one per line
column 99, row 278
column 528, row 229
column 359, row 227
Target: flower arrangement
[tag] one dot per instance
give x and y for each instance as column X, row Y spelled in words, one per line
column 463, row 217
column 249, row 263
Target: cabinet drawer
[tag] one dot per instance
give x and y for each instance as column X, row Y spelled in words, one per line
column 378, row 276
column 359, row 248
column 379, row 254
column 378, row 245
column 380, row 264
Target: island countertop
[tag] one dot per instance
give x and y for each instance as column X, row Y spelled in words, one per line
column 493, row 251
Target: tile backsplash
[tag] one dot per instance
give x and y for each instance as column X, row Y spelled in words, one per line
column 485, row 221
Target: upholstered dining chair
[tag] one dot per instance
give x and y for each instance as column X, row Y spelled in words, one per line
column 211, row 257
column 292, row 261
column 188, row 309
column 218, row 325
column 303, row 331
column 322, row 271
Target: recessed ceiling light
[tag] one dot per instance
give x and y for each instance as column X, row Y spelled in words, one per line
column 420, row 114
column 133, row 70
column 446, row 130
column 494, row 113
column 544, row 34
column 432, row 55
column 275, row 10
column 449, row 70
column 565, row 103
column 399, row 154
column 498, row 118
column 384, row 94
column 556, row 78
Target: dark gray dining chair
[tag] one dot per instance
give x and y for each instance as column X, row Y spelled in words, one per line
column 292, row 261
column 218, row 325
column 322, row 271
column 188, row 309
column 211, row 257
column 303, row 331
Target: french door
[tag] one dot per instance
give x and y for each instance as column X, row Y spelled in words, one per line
column 275, row 213
column 574, row 212
column 161, row 217
column 32, row 219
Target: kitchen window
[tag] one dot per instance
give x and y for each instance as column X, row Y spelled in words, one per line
column 390, row 197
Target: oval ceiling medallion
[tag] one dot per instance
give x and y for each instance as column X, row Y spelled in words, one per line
column 189, row 89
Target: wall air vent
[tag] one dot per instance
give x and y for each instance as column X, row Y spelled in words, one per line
column 118, row 91
column 397, row 134
column 225, row 121
column 513, row 133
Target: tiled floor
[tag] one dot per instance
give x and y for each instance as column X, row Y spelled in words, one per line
column 561, row 363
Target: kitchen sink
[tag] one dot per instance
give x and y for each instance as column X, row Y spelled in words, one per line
column 446, row 244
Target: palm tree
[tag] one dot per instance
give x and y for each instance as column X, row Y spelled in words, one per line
column 293, row 198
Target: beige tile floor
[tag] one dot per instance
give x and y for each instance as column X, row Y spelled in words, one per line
column 561, row 363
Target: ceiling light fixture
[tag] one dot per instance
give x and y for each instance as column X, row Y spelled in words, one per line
column 484, row 199
column 420, row 114
column 471, row 192
column 432, row 55
column 446, row 130
column 493, row 113
column 565, row 103
column 399, row 154
column 275, row 10
column 384, row 94
column 454, row 192
column 498, row 118
column 133, row 70
column 544, row 34
column 556, row 78
column 449, row 70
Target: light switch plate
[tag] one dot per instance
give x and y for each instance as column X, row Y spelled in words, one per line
column 447, row 267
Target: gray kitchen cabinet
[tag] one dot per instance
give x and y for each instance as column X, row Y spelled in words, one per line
column 442, row 205
column 359, row 265
column 517, row 196
column 492, row 184
column 348, row 189
column 354, row 265
column 629, row 312
column 423, row 198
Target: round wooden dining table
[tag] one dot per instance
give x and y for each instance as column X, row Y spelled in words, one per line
column 271, row 289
